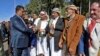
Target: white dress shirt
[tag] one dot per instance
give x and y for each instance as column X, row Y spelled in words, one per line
column 55, row 21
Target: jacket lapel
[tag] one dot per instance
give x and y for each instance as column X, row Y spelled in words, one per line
column 21, row 20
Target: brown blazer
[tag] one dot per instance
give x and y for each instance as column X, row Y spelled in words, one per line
column 71, row 35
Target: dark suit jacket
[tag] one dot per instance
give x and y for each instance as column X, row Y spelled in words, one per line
column 58, row 30
column 19, row 33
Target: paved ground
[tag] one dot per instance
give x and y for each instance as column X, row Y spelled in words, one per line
column 6, row 47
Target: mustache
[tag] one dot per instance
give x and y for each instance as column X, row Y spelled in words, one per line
column 93, row 14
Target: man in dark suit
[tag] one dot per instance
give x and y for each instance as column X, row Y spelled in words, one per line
column 19, row 33
column 55, row 29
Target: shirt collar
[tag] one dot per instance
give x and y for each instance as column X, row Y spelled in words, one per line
column 56, row 18
column 97, row 20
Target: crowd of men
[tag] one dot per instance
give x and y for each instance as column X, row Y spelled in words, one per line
column 44, row 35
column 4, row 33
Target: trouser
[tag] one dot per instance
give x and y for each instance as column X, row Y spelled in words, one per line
column 64, row 50
column 53, row 52
column 20, row 52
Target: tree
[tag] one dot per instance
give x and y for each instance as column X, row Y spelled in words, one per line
column 83, row 5
column 48, row 5
column 34, row 6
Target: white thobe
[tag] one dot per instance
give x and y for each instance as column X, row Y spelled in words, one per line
column 42, row 42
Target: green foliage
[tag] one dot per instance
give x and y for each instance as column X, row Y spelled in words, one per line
column 48, row 5
column 38, row 5
column 84, row 5
column 33, row 6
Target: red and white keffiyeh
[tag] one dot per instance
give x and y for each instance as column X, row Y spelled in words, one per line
column 90, row 26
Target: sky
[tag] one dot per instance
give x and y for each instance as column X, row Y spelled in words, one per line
column 7, row 8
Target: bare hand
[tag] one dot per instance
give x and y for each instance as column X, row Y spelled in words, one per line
column 41, row 30
column 71, row 50
column 60, row 44
column 51, row 26
column 34, row 28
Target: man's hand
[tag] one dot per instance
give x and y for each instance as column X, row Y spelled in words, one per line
column 71, row 50
column 34, row 28
column 41, row 30
column 60, row 44
column 51, row 26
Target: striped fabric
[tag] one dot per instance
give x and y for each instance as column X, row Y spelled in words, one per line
column 90, row 27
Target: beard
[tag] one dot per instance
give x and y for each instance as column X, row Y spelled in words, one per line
column 68, row 16
column 93, row 16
